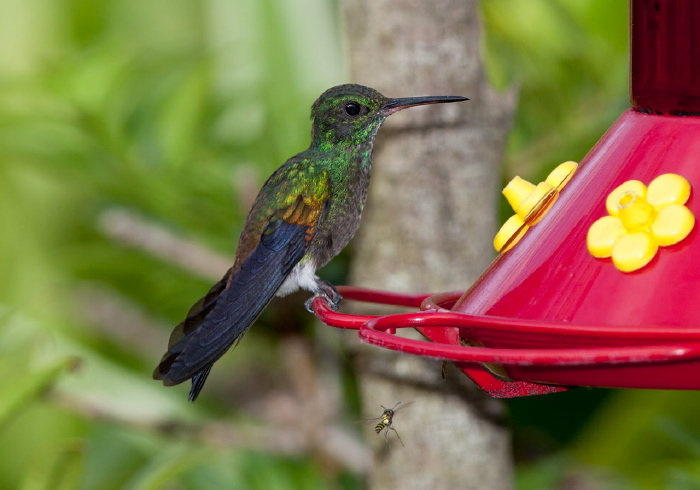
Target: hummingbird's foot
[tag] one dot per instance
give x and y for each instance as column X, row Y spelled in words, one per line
column 325, row 290
column 330, row 292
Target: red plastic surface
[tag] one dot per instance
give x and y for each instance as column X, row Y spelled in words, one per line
column 550, row 276
column 550, row 273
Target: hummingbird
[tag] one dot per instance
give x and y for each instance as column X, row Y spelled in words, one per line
column 304, row 215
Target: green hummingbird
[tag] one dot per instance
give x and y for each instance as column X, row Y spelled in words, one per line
column 304, row 215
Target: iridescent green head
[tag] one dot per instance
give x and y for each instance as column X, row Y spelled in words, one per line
column 351, row 114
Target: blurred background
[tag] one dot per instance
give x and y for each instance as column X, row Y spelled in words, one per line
column 134, row 136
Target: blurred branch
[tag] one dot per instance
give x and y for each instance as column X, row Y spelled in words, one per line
column 337, row 445
column 120, row 319
column 130, row 229
column 297, row 420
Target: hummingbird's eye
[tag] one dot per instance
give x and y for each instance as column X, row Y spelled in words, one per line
column 352, row 108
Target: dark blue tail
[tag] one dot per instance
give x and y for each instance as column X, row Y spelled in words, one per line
column 220, row 319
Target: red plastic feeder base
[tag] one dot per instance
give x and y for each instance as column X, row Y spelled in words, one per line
column 620, row 364
column 444, row 339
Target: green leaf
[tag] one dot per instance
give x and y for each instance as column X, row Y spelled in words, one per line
column 58, row 467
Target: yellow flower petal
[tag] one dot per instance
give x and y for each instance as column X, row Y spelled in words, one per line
column 603, row 234
column 562, row 174
column 510, row 233
column 633, row 251
column 533, row 208
column 672, row 224
column 668, row 189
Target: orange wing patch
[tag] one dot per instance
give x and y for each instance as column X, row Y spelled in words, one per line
column 306, row 212
column 296, row 202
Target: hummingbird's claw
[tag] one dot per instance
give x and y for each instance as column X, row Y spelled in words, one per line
column 309, row 303
column 327, row 291
column 330, row 292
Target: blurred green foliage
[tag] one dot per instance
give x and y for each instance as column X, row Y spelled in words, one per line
column 569, row 61
column 173, row 113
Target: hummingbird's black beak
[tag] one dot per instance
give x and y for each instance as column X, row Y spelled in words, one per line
column 395, row 105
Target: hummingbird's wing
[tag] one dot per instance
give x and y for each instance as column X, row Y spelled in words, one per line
column 223, row 320
column 222, row 316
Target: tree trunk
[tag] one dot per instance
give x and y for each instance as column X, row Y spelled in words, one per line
column 428, row 227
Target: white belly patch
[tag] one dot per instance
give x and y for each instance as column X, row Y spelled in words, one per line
column 303, row 276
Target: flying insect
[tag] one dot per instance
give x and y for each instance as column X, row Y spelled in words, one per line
column 386, row 421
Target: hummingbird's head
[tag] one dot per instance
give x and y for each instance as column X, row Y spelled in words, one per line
column 347, row 114
column 352, row 114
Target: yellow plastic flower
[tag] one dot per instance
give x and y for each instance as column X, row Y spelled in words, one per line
column 530, row 203
column 642, row 219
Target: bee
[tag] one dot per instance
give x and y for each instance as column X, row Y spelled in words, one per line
column 386, row 422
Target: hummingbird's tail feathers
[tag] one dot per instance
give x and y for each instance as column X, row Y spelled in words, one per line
column 195, row 318
column 198, row 312
column 249, row 290
column 198, row 383
column 201, row 308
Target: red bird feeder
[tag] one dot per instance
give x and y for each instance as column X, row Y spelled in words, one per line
column 553, row 311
